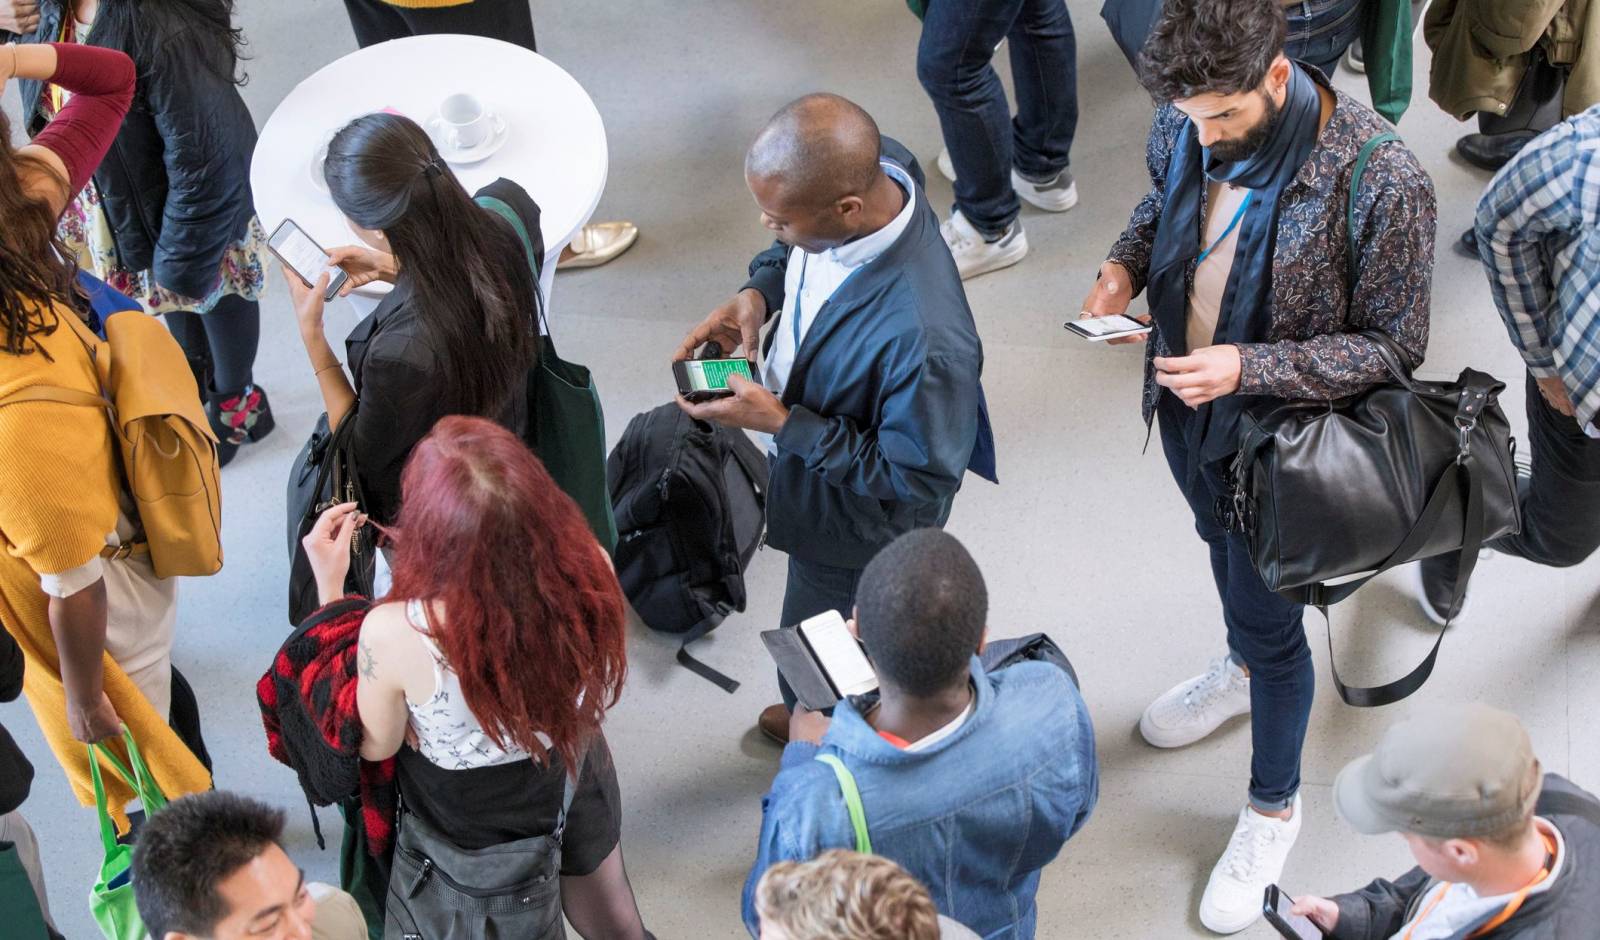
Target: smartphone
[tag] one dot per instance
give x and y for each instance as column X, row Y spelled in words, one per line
column 839, row 653
column 1293, row 926
column 1099, row 329
column 704, row 379
column 303, row 256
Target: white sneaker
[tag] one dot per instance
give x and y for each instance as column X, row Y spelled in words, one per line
column 976, row 255
column 1196, row 707
column 1254, row 859
column 1057, row 194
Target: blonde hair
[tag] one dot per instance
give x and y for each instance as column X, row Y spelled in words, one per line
column 841, row 895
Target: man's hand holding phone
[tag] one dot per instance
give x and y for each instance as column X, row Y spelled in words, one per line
column 735, row 326
column 1321, row 911
column 1111, row 294
column 751, row 406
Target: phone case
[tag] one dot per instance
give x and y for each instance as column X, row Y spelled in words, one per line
column 799, row 667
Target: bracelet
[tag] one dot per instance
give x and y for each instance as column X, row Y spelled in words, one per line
column 318, row 374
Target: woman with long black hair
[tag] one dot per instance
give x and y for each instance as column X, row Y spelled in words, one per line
column 459, row 331
column 168, row 218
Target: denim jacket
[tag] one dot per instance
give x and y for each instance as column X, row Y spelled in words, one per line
column 974, row 818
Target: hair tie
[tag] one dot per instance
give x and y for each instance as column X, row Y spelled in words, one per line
column 432, row 168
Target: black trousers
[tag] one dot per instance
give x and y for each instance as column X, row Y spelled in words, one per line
column 1561, row 501
column 375, row 21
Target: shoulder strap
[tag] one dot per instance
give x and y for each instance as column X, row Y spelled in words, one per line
column 852, row 801
column 1355, row 186
column 55, row 393
column 503, row 209
column 1568, row 804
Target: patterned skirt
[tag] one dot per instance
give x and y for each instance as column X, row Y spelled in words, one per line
column 87, row 232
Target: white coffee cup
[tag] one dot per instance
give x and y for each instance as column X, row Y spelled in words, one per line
column 465, row 121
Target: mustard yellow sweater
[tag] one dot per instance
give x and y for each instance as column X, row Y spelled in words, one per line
column 426, row 4
column 58, row 499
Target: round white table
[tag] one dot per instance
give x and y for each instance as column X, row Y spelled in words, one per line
column 556, row 148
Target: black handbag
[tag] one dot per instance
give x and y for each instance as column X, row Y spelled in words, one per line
column 324, row 475
column 1343, row 491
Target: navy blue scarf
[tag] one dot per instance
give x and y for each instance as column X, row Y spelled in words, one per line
column 1247, row 301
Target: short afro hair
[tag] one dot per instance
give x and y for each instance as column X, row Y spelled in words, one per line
column 921, row 608
column 1220, row 47
column 186, row 850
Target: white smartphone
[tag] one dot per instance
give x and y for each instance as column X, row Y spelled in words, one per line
column 303, row 256
column 1100, row 329
column 839, row 654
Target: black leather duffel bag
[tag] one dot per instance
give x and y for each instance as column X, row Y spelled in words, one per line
column 1331, row 494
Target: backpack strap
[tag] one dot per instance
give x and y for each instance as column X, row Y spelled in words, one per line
column 55, row 393
column 1362, row 159
column 1568, row 804
column 852, row 801
column 688, row 660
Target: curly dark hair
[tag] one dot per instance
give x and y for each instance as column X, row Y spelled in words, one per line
column 1219, row 47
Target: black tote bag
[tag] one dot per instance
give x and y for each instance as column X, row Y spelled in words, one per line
column 1130, row 22
column 324, row 475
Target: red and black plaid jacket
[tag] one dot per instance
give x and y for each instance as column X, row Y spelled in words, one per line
column 308, row 705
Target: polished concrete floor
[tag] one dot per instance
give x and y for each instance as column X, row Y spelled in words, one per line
column 1085, row 538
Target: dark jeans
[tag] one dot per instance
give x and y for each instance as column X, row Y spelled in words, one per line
column 813, row 589
column 224, row 339
column 1321, row 30
column 958, row 40
column 1561, row 504
column 1265, row 632
column 375, row 21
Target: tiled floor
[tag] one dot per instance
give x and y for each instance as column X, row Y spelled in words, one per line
column 1121, row 582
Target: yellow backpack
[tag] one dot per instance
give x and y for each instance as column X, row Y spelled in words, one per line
column 168, row 453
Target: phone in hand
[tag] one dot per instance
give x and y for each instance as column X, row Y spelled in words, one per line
column 301, row 254
column 704, row 379
column 1100, row 329
column 1275, row 908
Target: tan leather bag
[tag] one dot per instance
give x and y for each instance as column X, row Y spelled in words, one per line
column 168, row 453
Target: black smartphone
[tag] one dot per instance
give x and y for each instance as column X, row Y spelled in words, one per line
column 1294, row 926
column 301, row 254
column 704, row 379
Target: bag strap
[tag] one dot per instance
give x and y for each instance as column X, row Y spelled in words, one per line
column 504, row 210
column 1362, row 158
column 852, row 801
column 1568, row 804
column 1461, row 474
column 139, row 779
column 688, row 661
column 55, row 393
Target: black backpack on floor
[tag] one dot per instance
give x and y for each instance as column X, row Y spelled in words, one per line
column 690, row 502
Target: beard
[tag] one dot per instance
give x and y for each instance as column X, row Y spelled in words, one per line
column 1243, row 148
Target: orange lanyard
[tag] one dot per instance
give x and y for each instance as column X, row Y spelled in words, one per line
column 1512, row 906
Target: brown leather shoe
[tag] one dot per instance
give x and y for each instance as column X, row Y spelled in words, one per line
column 774, row 723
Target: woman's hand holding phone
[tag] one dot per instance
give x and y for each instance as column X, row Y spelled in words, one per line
column 308, row 304
column 1111, row 295
column 363, row 265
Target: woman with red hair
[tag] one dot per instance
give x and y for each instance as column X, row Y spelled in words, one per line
column 488, row 669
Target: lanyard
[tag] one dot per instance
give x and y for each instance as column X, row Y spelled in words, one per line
column 799, row 299
column 1512, row 906
column 1232, row 224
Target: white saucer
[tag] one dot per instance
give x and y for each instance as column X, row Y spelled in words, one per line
column 468, row 155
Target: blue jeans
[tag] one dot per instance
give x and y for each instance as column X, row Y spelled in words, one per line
column 1321, row 30
column 813, row 589
column 958, row 40
column 1561, row 502
column 1265, row 632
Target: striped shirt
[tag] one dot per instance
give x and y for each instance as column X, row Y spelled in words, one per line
column 1539, row 237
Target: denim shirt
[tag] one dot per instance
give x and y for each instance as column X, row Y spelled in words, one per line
column 974, row 818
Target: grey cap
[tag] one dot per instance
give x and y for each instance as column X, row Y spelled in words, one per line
column 1447, row 773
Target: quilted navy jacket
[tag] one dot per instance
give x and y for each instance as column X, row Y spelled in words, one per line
column 176, row 183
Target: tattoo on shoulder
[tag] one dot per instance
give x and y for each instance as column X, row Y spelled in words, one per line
column 368, row 663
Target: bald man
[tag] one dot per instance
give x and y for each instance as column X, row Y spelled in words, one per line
column 869, row 395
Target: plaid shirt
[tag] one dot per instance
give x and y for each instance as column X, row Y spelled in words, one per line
column 1539, row 237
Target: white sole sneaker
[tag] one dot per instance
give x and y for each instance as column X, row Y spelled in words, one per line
column 1196, row 707
column 1055, row 195
column 973, row 255
column 946, row 167
column 1254, row 858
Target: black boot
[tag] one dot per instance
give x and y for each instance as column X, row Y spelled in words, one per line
column 237, row 418
column 1492, row 151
